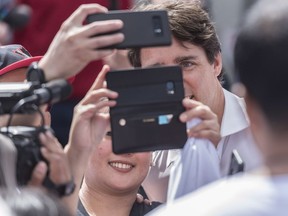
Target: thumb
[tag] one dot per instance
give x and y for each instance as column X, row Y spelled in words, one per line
column 38, row 174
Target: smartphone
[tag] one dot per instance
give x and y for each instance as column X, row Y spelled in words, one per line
column 141, row 28
column 236, row 163
column 146, row 116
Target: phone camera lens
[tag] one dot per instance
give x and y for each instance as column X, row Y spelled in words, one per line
column 170, row 87
column 157, row 24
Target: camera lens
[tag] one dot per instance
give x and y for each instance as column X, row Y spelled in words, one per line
column 157, row 24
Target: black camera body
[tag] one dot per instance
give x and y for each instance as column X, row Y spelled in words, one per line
column 12, row 93
column 26, row 141
column 26, row 98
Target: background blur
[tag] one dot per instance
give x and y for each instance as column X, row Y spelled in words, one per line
column 227, row 15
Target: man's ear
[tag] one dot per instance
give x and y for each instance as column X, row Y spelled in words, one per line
column 218, row 64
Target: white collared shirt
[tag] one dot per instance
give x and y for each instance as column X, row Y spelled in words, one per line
column 197, row 166
column 235, row 134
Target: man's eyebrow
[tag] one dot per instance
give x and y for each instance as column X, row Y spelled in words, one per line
column 154, row 65
column 184, row 58
column 177, row 60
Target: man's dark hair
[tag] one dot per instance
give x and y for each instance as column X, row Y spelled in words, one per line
column 189, row 22
column 261, row 59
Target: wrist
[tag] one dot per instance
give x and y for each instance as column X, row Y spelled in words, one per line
column 49, row 71
column 60, row 190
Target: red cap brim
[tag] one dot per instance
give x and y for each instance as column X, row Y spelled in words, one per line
column 25, row 63
column 19, row 64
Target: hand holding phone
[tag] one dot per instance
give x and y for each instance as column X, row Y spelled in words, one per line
column 141, row 28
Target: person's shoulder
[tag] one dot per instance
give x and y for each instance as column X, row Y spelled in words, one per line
column 223, row 189
column 217, row 194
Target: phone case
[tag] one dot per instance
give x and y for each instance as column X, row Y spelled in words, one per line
column 141, row 28
column 146, row 117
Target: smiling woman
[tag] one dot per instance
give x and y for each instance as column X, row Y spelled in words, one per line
column 109, row 182
column 108, row 177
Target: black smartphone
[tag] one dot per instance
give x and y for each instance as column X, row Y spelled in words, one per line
column 141, row 28
column 146, row 116
column 236, row 163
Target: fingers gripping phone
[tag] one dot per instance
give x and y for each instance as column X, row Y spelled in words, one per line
column 141, row 28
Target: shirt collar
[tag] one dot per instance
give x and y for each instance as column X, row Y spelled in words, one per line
column 235, row 118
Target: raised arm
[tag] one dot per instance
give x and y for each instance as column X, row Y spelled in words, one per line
column 76, row 44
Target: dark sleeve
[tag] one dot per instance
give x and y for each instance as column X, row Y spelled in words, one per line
column 140, row 209
column 142, row 192
column 81, row 211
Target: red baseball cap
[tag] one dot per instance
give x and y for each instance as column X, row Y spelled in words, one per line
column 15, row 56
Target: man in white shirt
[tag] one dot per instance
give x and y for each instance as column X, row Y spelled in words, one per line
column 196, row 48
column 261, row 63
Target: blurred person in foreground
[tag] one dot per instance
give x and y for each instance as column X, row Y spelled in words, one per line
column 260, row 54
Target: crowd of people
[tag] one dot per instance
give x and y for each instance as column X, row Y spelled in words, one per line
column 83, row 176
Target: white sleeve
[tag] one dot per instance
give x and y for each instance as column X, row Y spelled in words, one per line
column 197, row 166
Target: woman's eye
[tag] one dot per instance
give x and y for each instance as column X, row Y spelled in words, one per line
column 108, row 134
